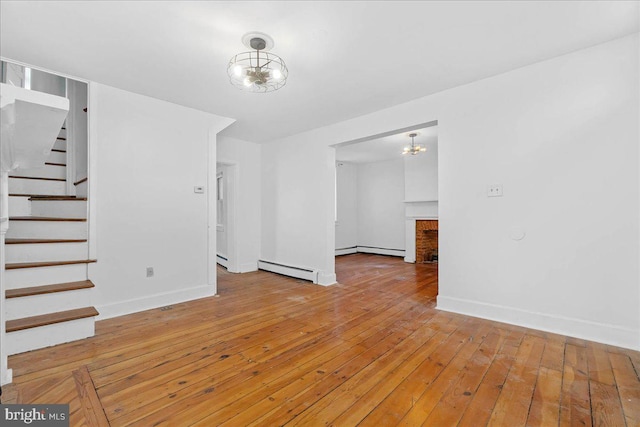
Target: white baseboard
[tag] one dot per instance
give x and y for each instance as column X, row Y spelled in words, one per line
column 371, row 250
column 381, row 251
column 600, row 332
column 153, row 301
column 410, row 259
column 346, row 251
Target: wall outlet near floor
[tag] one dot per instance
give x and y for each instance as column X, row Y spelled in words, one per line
column 494, row 190
column 149, row 271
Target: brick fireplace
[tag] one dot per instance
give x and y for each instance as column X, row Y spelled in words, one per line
column 426, row 241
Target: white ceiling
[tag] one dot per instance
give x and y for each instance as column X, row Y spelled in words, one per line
column 345, row 58
column 387, row 147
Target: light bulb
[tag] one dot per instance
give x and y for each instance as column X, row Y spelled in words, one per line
column 277, row 74
column 237, row 70
column 247, row 82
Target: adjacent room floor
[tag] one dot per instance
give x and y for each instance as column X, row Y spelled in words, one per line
column 371, row 351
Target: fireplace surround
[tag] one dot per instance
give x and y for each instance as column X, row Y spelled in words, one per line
column 426, row 241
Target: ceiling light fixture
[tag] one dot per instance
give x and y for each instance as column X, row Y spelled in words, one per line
column 414, row 148
column 257, row 70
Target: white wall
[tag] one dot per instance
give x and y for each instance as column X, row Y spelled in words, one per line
column 298, row 205
column 380, row 204
column 347, row 206
column 246, row 158
column 421, row 176
column 146, row 157
column 562, row 138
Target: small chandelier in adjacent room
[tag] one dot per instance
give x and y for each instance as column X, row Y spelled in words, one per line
column 414, row 148
column 257, row 70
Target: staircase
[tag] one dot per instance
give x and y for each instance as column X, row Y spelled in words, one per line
column 48, row 294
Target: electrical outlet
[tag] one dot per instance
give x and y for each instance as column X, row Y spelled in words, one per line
column 149, row 271
column 494, row 190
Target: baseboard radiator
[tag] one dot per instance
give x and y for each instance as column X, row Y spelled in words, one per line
column 289, row 270
column 370, row 250
column 222, row 260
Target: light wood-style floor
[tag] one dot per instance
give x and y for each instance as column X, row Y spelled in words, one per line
column 371, row 351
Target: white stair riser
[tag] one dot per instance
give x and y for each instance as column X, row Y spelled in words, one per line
column 17, row 308
column 37, row 186
column 57, row 157
column 46, row 171
column 19, row 206
column 37, row 252
column 60, row 145
column 59, row 208
column 45, row 336
column 39, row 276
column 47, row 229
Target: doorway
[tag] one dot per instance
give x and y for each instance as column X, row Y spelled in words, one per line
column 382, row 194
column 226, row 179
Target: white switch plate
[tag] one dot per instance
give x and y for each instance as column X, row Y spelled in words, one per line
column 494, row 190
column 198, row 189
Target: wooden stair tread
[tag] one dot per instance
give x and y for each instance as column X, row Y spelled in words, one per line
column 58, row 151
column 51, row 196
column 69, row 198
column 38, row 178
column 48, row 289
column 14, row 241
column 50, row 319
column 45, row 218
column 85, row 179
column 54, row 164
column 17, row 265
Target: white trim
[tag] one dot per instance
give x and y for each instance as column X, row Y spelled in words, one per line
column 46, row 70
column 71, row 141
column 593, row 331
column 212, row 220
column 92, row 170
column 346, row 251
column 381, row 251
column 154, row 301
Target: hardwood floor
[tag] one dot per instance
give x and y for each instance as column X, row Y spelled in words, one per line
column 371, row 351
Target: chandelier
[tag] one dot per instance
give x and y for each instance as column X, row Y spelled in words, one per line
column 257, row 70
column 414, row 148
